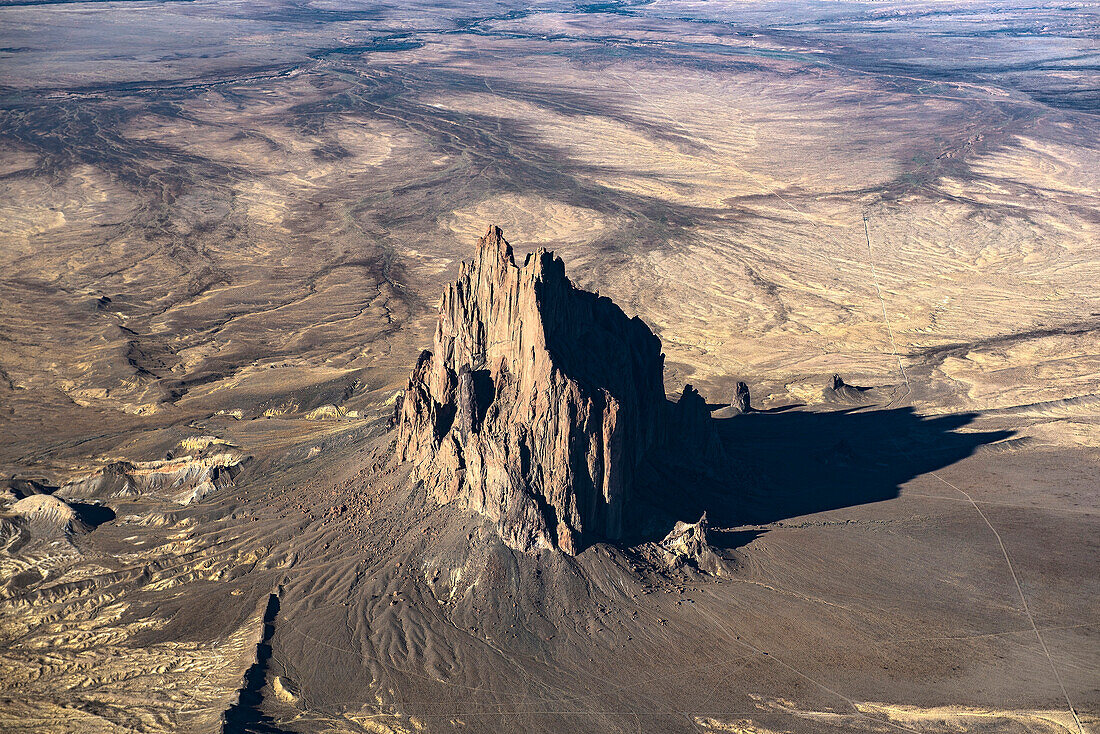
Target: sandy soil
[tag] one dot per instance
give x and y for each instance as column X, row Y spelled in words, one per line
column 234, row 221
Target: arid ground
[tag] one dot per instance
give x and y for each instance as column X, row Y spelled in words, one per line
column 224, row 230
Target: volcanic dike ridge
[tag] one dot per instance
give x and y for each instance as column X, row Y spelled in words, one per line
column 538, row 403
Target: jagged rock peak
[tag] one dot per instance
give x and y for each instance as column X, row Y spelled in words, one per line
column 536, row 403
column 687, row 538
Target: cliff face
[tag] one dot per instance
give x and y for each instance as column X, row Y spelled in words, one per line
column 536, row 404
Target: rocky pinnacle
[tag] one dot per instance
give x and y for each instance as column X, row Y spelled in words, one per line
column 536, row 404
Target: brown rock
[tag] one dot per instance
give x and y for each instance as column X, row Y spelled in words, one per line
column 687, row 544
column 837, row 390
column 536, row 404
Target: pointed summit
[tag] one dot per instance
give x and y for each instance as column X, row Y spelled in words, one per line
column 494, row 243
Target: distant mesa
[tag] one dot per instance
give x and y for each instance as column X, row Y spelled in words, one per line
column 539, row 403
column 331, row 412
column 18, row 488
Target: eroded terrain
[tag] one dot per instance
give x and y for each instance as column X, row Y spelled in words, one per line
column 224, row 228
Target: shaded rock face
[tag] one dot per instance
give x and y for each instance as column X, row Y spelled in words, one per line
column 537, row 403
column 741, row 400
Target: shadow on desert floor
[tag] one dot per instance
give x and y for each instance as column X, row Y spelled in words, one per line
column 785, row 464
column 246, row 715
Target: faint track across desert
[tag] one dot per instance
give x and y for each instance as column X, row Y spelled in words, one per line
column 1023, row 600
column 894, row 401
column 885, row 318
column 1000, row 542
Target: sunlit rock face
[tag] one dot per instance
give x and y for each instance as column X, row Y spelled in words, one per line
column 183, row 479
column 536, row 404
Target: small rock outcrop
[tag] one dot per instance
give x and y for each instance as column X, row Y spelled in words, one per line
column 687, row 545
column 286, row 690
column 537, row 403
column 741, row 404
column 741, row 401
column 48, row 512
column 837, row 390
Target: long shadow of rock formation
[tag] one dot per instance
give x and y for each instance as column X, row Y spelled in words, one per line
column 542, row 407
column 786, row 464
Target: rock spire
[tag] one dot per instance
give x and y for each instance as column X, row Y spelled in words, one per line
column 537, row 403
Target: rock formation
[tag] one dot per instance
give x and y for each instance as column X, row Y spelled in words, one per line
column 837, row 390
column 741, row 401
column 182, row 479
column 687, row 545
column 537, row 403
column 48, row 512
column 741, row 404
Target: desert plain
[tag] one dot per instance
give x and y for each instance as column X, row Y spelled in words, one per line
column 224, row 231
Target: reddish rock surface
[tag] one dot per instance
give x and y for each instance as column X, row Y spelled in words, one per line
column 537, row 403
